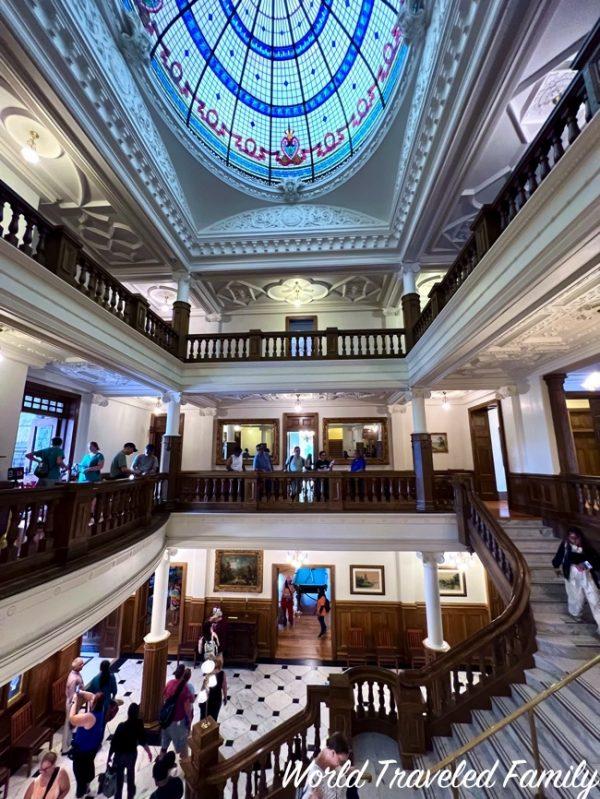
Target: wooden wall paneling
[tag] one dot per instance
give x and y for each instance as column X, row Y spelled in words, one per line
column 128, row 645
column 194, row 611
column 261, row 608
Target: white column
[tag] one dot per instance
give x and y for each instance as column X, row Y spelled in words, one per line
column 160, row 594
column 433, row 608
column 418, row 397
column 183, row 287
column 172, row 399
column 409, row 278
column 390, row 318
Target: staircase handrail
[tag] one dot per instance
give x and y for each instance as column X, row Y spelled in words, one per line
column 438, row 674
column 528, row 707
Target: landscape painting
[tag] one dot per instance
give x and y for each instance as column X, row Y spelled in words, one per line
column 367, row 580
column 452, row 582
column 239, row 570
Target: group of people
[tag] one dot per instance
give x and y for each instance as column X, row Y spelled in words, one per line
column 51, row 463
column 296, row 462
column 286, row 616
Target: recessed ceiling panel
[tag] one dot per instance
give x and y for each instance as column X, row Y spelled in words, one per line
column 276, row 89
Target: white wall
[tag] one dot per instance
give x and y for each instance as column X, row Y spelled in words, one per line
column 198, row 440
column 12, row 385
column 403, row 575
column 351, row 318
column 111, row 426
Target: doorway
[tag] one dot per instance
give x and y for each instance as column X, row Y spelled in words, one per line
column 300, row 641
column 301, row 430
column 158, row 426
column 45, row 413
column 489, row 451
column 584, row 417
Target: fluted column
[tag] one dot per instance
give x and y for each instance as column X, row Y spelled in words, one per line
column 422, row 451
column 433, row 609
column 171, row 447
column 156, row 643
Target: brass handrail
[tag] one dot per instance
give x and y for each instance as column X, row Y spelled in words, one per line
column 526, row 708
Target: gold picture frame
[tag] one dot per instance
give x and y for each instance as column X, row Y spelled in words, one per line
column 239, row 570
column 384, row 459
column 439, row 443
column 218, row 455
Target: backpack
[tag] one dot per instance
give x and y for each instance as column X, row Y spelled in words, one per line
column 167, row 711
column 210, row 649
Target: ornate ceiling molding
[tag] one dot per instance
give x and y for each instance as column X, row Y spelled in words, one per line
column 298, row 217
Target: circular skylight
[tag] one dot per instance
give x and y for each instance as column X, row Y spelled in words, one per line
column 276, row 89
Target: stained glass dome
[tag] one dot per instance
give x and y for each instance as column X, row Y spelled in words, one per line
column 276, row 88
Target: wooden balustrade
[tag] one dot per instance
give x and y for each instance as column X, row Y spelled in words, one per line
column 463, row 679
column 561, row 500
column 45, row 530
column 56, row 249
column 576, row 107
column 317, row 345
column 307, row 491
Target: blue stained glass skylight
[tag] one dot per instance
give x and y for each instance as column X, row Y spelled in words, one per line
column 276, row 88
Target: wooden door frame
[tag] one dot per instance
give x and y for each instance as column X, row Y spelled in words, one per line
column 313, row 317
column 284, row 432
column 275, row 569
column 495, row 403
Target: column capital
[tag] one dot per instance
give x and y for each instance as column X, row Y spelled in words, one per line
column 214, row 317
column 512, row 390
column 169, row 553
column 431, row 558
column 410, row 267
column 207, row 412
column 409, row 277
column 171, row 396
column 418, row 393
column 393, row 409
column 390, row 311
column 98, row 399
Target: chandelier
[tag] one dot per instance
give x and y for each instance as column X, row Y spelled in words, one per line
column 297, row 559
column 459, row 560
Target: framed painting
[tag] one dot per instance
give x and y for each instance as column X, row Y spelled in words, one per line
column 439, row 443
column 367, row 580
column 452, row 582
column 239, row 570
column 14, row 690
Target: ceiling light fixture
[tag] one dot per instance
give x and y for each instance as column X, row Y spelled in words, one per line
column 592, row 382
column 297, row 559
column 298, row 405
column 29, row 149
column 445, row 403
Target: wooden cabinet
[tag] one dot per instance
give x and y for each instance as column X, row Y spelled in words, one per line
column 241, row 646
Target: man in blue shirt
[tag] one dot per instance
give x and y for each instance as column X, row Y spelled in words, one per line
column 262, row 461
column 357, row 487
column 359, row 463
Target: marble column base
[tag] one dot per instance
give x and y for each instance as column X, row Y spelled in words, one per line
column 154, row 676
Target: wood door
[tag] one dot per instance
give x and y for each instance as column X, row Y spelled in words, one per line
column 110, row 637
column 483, row 457
column 158, row 426
column 140, row 615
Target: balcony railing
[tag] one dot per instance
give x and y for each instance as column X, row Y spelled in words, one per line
column 577, row 106
column 306, row 492
column 313, row 346
column 56, row 249
column 44, row 531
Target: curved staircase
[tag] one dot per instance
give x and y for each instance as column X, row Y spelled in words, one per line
column 567, row 723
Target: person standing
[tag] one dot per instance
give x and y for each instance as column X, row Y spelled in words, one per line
column 146, row 462
column 235, row 462
column 51, row 462
column 87, row 739
column 209, row 643
column 178, row 729
column 118, row 466
column 322, row 610
column 580, row 567
column 91, row 465
column 52, row 783
column 287, row 602
column 217, row 694
column 331, row 757
column 74, row 684
column 123, row 750
column 105, row 683
column 262, row 461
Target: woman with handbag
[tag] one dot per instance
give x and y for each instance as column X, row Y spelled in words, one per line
column 52, row 783
column 209, row 644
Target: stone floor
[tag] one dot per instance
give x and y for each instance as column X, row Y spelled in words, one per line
column 258, row 701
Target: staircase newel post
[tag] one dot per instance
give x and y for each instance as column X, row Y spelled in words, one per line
column 204, row 743
column 412, row 723
column 341, row 704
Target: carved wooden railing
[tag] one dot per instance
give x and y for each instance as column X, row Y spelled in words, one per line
column 44, row 531
column 307, row 491
column 56, row 249
column 317, row 345
column 362, row 699
column 434, row 697
column 560, row 499
column 578, row 104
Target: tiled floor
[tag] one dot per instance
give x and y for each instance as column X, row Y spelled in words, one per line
column 258, row 701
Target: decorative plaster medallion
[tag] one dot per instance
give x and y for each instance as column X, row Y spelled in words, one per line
column 297, row 291
column 294, row 217
column 19, row 124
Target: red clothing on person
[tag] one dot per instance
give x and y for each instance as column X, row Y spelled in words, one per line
column 184, row 697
